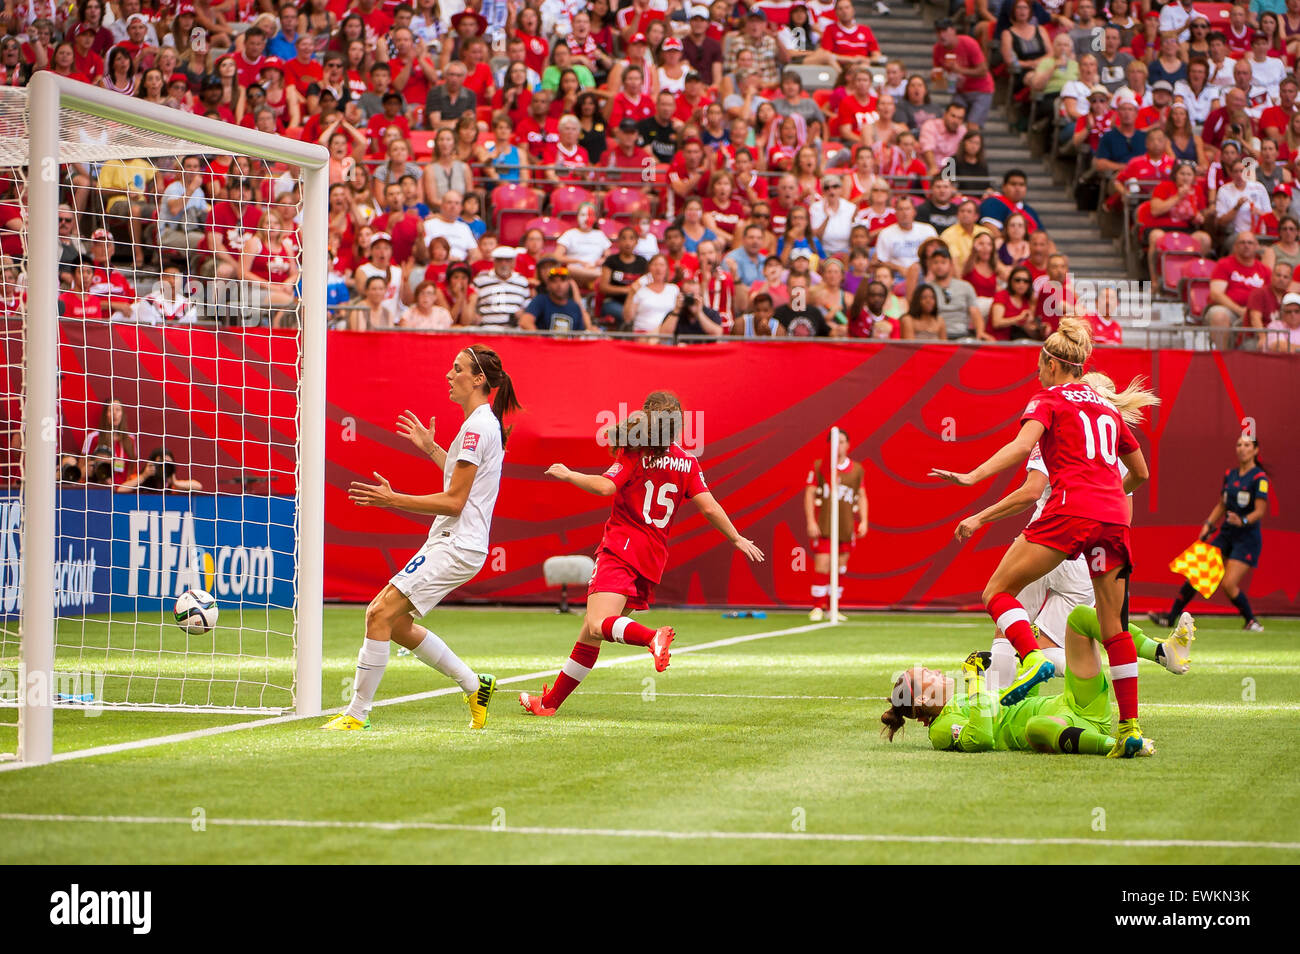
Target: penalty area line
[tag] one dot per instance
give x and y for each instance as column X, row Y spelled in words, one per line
column 396, row 700
column 651, row 833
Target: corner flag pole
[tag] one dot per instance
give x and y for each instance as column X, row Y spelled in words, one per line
column 834, row 504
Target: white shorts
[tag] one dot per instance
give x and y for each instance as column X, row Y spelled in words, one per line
column 436, row 569
column 1049, row 599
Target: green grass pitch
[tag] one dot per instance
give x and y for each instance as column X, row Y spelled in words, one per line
column 759, row 751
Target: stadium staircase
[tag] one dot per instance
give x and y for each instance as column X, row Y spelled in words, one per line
column 907, row 34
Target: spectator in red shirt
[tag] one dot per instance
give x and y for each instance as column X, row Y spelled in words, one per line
column 1273, row 121
column 538, row 131
column 84, row 59
column 692, row 101
column 856, row 116
column 1177, row 205
column 303, row 71
column 1105, row 329
column 962, row 56
column 1154, row 166
column 626, row 163
column 688, row 173
column 1264, row 305
column 248, row 63
column 413, row 69
column 1053, row 294
column 846, row 41
column 1231, row 283
column 569, row 161
column 632, row 101
column 79, row 301
column 1092, row 125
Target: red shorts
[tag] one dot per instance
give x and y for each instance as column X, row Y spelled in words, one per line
column 823, row 545
column 1104, row 545
column 612, row 575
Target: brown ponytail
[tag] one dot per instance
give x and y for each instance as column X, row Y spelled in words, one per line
column 652, row 430
column 488, row 363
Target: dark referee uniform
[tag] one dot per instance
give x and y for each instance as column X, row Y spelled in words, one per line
column 1240, row 492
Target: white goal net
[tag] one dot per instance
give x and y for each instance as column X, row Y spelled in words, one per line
column 162, row 304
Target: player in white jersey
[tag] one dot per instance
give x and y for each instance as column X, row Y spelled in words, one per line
column 458, row 540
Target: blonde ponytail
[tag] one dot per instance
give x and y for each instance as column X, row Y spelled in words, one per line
column 1071, row 343
column 1128, row 402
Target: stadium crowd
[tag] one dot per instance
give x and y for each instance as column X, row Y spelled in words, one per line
column 659, row 167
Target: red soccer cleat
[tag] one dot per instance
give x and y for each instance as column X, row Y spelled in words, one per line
column 663, row 639
column 534, row 703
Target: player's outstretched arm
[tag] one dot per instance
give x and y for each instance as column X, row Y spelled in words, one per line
column 597, row 484
column 410, row 427
column 1009, row 455
column 1138, row 473
column 447, row 504
column 714, row 513
column 1018, row 501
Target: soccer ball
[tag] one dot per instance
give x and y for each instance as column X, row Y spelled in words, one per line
column 196, row 612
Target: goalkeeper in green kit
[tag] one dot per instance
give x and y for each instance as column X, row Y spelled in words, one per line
column 1076, row 721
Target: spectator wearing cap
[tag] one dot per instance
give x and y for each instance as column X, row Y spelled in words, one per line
column 447, row 224
column 1285, row 329
column 831, row 216
column 1240, row 202
column 692, row 101
column 1096, row 122
column 673, row 69
column 957, row 301
column 501, row 292
column 84, row 59
column 1234, row 277
column 379, row 262
column 626, row 163
column 962, row 56
column 1123, row 141
column 702, row 51
column 554, row 308
column 793, row 101
column 755, row 38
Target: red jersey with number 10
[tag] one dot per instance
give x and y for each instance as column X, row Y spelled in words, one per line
column 1084, row 439
column 649, row 492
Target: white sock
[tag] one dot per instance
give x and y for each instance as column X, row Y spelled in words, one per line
column 437, row 654
column 1003, row 670
column 1057, row 655
column 371, row 662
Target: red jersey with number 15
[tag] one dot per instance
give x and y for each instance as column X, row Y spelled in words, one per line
column 649, row 492
column 1081, row 446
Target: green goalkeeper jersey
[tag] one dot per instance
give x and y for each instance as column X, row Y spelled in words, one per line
column 975, row 722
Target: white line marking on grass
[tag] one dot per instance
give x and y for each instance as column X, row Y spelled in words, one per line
column 318, row 824
column 396, row 700
column 1214, row 707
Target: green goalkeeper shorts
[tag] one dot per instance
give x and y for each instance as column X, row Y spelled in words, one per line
column 1089, row 699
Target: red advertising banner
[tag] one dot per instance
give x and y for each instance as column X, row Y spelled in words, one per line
column 758, row 414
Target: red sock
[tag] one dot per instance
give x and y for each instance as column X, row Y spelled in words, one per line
column 821, row 590
column 1121, row 654
column 575, row 670
column 624, row 629
column 1012, row 619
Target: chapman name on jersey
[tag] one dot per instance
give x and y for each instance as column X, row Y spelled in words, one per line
column 648, row 492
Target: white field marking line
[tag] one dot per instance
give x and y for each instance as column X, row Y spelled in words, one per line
column 397, row 700
column 327, row 824
column 1211, row 706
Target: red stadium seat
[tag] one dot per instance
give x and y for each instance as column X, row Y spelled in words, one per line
column 821, row 97
column 778, row 16
column 626, row 203
column 611, row 227
column 513, row 195
column 422, row 144
column 1174, row 250
column 1217, row 13
column 566, row 199
column 551, row 228
column 513, row 224
column 1195, row 286
column 658, row 227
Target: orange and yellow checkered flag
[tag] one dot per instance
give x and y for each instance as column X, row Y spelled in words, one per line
column 1202, row 564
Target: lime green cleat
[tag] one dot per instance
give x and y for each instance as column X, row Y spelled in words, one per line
column 345, row 723
column 478, row 702
column 1130, row 744
column 1034, row 670
column 1177, row 657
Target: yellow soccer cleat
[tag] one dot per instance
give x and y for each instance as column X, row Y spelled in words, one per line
column 1177, row 657
column 1130, row 744
column 478, row 702
column 345, row 723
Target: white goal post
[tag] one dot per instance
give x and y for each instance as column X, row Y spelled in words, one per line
column 57, row 114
